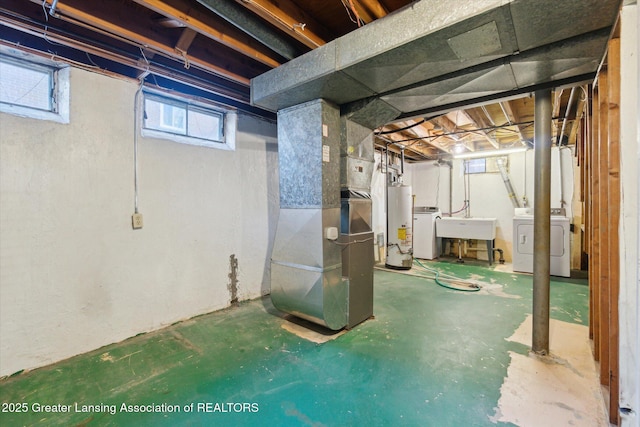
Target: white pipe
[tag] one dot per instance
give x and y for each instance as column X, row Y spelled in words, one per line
column 136, row 131
column 566, row 116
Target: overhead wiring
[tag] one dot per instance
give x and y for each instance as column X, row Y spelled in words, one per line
column 137, row 120
column 464, row 206
column 46, row 18
column 387, row 132
column 490, row 128
column 91, row 60
column 353, row 13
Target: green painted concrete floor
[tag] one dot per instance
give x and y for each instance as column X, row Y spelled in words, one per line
column 430, row 357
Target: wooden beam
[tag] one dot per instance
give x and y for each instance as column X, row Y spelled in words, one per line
column 613, row 66
column 573, row 131
column 557, row 102
column 136, row 64
column 512, row 117
column 215, row 29
column 186, row 38
column 594, row 229
column 588, row 212
column 474, row 115
column 149, row 42
column 419, row 151
column 424, row 131
column 415, row 145
column 362, row 12
column 603, row 238
column 288, row 17
column 374, row 6
column 448, row 126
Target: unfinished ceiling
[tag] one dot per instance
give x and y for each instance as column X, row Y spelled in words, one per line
column 216, row 47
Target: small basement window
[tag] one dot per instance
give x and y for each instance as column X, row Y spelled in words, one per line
column 476, row 165
column 187, row 121
column 486, row 164
column 35, row 90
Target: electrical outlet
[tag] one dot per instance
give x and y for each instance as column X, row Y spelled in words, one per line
column 136, row 220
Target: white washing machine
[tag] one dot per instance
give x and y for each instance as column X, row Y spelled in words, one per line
column 560, row 262
column 424, row 232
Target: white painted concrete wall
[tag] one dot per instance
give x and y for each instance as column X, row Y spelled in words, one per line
column 431, row 183
column 74, row 275
column 488, row 195
column 630, row 219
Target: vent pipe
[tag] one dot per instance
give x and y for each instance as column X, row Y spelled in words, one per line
column 507, row 183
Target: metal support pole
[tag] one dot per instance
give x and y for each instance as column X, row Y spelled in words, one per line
column 541, row 221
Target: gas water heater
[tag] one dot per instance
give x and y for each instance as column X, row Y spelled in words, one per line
column 399, row 227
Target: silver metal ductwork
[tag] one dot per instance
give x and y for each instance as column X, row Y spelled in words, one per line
column 434, row 56
column 306, row 266
column 322, row 261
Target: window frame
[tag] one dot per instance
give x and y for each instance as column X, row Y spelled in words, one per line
column 59, row 86
column 471, row 164
column 227, row 118
column 169, row 125
column 490, row 164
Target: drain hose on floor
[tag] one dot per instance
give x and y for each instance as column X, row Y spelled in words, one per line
column 467, row 286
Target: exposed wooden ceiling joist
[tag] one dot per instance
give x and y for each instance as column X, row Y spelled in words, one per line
column 412, row 151
column 185, row 40
column 512, row 118
column 288, row 17
column 422, row 132
column 452, row 129
column 359, row 11
column 374, row 7
column 209, row 26
column 476, row 115
column 135, row 33
column 63, row 40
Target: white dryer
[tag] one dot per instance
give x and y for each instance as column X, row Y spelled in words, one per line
column 560, row 262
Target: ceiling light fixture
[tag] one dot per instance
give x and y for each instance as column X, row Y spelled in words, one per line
column 490, row 153
column 458, row 149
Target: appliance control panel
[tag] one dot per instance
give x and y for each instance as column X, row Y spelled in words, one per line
column 425, row 209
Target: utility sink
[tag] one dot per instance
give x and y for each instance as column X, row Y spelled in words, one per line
column 466, row 228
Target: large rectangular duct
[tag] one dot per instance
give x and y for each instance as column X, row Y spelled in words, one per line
column 306, row 269
column 322, row 261
column 436, row 55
